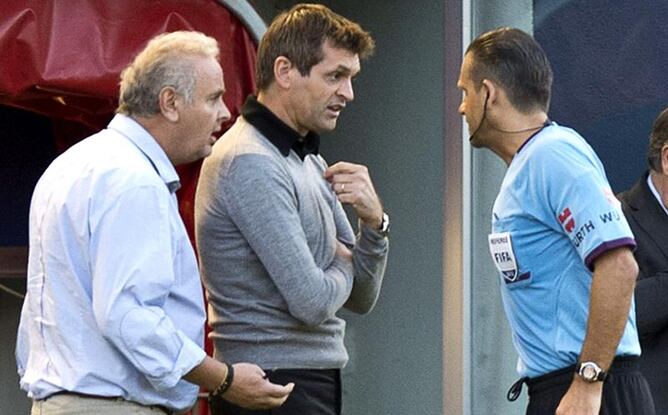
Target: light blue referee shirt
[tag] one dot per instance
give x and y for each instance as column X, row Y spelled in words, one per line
column 554, row 215
column 114, row 304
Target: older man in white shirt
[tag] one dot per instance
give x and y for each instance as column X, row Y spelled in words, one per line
column 113, row 318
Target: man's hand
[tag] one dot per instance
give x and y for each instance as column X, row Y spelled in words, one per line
column 251, row 390
column 353, row 186
column 343, row 252
column 582, row 398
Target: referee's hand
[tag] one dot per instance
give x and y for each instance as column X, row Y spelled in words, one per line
column 582, row 398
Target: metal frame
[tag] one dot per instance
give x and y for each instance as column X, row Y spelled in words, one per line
column 248, row 16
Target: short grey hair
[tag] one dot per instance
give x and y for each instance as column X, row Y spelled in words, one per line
column 166, row 61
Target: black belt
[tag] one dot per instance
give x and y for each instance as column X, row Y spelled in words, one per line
column 621, row 364
column 108, row 398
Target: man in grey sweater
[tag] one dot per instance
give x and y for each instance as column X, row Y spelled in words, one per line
column 279, row 257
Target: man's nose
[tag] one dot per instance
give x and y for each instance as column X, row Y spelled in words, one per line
column 346, row 90
column 224, row 114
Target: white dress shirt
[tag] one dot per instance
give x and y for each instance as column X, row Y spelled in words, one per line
column 655, row 192
column 114, row 304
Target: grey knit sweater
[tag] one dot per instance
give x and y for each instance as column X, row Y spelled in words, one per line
column 267, row 227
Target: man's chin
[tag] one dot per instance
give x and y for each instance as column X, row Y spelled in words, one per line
column 202, row 154
column 475, row 143
column 325, row 128
column 206, row 152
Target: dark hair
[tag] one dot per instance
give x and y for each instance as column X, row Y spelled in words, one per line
column 517, row 63
column 299, row 34
column 657, row 139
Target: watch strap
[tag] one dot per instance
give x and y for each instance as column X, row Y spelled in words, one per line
column 384, row 225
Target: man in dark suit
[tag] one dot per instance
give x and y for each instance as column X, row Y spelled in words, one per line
column 646, row 208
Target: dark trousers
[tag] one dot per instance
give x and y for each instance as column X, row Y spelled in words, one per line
column 625, row 390
column 316, row 392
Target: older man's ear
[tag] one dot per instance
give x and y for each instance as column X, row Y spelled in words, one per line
column 664, row 160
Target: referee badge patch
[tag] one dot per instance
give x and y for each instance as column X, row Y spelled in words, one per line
column 501, row 249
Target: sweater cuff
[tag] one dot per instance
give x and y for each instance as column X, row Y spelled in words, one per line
column 372, row 235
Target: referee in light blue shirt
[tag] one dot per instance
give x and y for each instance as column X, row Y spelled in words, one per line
column 560, row 242
column 113, row 318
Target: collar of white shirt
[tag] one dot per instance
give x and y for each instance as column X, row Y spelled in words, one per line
column 145, row 142
column 655, row 193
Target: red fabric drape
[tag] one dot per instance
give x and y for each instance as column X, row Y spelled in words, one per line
column 62, row 59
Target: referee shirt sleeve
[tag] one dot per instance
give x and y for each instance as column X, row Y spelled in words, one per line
column 581, row 202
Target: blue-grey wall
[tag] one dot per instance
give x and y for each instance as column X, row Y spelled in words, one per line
column 610, row 61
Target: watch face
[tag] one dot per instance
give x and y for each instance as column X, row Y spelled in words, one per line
column 588, row 372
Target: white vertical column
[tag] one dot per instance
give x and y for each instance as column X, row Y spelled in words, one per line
column 456, row 221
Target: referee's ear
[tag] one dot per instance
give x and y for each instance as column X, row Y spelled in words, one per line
column 492, row 90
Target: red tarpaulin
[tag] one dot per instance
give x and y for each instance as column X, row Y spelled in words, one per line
column 62, row 59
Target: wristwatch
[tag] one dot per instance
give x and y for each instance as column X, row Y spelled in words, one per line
column 384, row 225
column 590, row 372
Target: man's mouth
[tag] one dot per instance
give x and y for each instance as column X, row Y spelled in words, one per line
column 335, row 109
column 215, row 134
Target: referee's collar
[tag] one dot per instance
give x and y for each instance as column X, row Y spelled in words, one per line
column 547, row 123
column 277, row 132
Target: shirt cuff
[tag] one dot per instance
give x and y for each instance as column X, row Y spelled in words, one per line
column 188, row 358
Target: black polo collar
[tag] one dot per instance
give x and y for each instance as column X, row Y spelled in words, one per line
column 278, row 132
